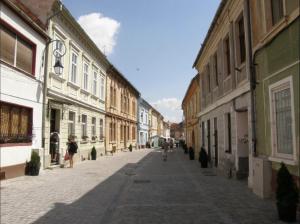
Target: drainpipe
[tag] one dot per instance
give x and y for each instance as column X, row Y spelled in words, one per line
column 252, row 79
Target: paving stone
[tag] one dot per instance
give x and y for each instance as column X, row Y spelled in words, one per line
column 133, row 188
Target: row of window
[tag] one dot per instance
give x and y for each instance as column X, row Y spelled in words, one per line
column 124, row 101
column 90, row 79
column 227, row 55
column 84, row 126
column 281, row 113
column 124, row 132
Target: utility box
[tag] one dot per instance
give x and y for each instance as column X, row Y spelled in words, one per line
column 262, row 175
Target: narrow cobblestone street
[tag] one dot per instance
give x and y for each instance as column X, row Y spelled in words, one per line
column 130, row 188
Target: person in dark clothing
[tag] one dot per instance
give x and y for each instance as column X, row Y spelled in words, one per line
column 72, row 149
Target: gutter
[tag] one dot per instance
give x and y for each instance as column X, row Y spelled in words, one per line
column 252, row 79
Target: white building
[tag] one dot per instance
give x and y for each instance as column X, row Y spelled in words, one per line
column 143, row 122
column 76, row 98
column 22, row 45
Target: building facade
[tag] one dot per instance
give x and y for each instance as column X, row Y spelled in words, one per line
column 191, row 108
column 22, row 44
column 143, row 122
column 275, row 50
column 75, row 103
column 121, row 112
column 225, row 115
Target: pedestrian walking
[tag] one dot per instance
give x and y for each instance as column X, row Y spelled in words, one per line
column 72, row 149
column 165, row 148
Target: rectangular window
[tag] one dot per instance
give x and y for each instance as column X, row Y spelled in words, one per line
column 110, row 132
column 242, row 47
column 15, row 124
column 277, row 10
column 115, row 131
column 102, row 88
column 142, row 116
column 216, row 69
column 84, row 126
column 74, row 58
column 16, row 50
column 85, row 76
column 227, row 55
column 101, row 129
column 133, row 133
column 133, row 108
column 95, row 83
column 93, row 126
column 71, row 123
column 282, row 119
column 228, row 132
column 111, row 96
column 115, row 97
column 208, row 78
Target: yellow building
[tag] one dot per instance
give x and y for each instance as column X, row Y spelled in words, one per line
column 121, row 111
column 191, row 108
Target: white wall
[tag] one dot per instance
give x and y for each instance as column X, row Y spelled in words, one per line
column 21, row 89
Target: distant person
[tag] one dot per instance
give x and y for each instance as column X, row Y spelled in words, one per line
column 72, row 149
column 165, row 148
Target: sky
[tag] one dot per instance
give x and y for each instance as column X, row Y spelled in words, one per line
column 154, row 43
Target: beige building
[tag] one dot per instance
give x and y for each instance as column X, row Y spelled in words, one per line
column 121, row 112
column 191, row 108
column 153, row 114
column 226, row 113
column 75, row 103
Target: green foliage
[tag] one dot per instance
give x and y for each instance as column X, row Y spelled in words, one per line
column 94, row 153
column 35, row 158
column 130, row 148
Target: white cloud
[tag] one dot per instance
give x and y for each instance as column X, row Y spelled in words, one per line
column 170, row 108
column 102, row 30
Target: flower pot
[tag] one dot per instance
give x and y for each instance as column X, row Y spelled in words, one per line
column 287, row 213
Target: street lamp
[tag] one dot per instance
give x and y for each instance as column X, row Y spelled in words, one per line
column 58, row 67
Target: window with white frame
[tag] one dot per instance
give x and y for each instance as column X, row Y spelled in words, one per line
column 93, row 126
column 95, row 83
column 71, row 123
column 101, row 129
column 74, row 63
column 101, row 88
column 281, row 102
column 84, row 126
column 85, row 76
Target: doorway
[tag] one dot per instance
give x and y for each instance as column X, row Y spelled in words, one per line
column 54, row 135
column 208, row 141
column 216, row 141
column 242, row 144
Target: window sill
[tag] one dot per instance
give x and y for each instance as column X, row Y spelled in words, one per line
column 283, row 160
column 84, row 142
column 94, row 97
column 18, row 69
column 73, row 85
column 15, row 144
column 57, row 77
column 84, row 91
column 93, row 141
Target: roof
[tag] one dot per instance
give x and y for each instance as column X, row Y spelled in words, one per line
column 28, row 16
column 212, row 25
column 114, row 69
column 186, row 93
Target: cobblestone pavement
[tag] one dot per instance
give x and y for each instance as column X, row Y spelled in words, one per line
column 133, row 188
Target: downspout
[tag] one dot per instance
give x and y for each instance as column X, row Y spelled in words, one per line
column 252, row 80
